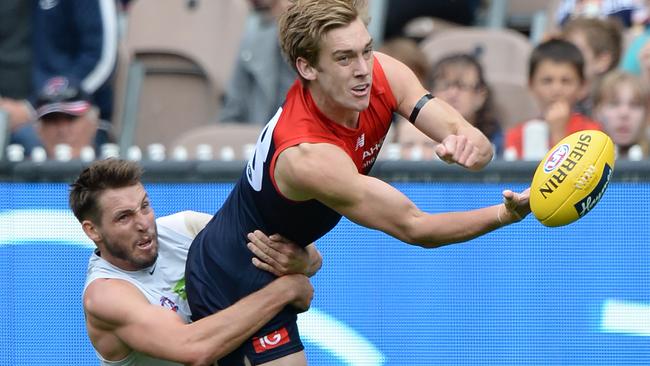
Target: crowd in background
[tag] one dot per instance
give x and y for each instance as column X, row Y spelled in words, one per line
column 591, row 70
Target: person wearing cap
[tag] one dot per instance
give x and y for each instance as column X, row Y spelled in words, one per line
column 77, row 39
column 65, row 116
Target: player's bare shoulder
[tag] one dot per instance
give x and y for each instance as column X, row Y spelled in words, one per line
column 307, row 168
column 403, row 82
column 99, row 299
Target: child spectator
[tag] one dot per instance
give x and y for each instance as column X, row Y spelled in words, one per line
column 458, row 80
column 600, row 42
column 555, row 79
column 621, row 105
column 414, row 145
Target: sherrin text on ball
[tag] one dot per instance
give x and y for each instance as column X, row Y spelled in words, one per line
column 572, row 177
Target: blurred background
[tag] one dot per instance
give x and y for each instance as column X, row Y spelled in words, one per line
column 185, row 87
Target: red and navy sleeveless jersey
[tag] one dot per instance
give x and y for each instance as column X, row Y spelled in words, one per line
column 300, row 121
column 255, row 202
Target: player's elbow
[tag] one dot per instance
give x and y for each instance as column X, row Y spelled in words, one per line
column 201, row 352
column 411, row 230
column 199, row 361
column 203, row 356
column 421, row 231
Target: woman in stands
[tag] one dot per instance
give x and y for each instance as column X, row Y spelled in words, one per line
column 458, row 80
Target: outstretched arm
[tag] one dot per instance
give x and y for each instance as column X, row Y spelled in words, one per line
column 461, row 143
column 325, row 173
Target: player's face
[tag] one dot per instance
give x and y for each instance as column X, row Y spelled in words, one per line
column 344, row 71
column 555, row 82
column 129, row 238
column 623, row 116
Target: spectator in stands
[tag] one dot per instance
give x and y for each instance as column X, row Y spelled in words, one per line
column 400, row 12
column 262, row 76
column 414, row 144
column 15, row 61
column 555, row 77
column 621, row 105
column 66, row 117
column 626, row 12
column 636, row 59
column 77, row 39
column 15, row 49
column 458, row 80
column 73, row 38
column 600, row 42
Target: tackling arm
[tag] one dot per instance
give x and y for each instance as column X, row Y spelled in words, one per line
column 115, row 308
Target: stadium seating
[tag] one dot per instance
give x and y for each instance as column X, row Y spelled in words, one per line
column 503, row 52
column 221, row 137
column 176, row 59
column 514, row 102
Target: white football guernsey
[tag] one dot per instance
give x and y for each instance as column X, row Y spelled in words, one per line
column 162, row 284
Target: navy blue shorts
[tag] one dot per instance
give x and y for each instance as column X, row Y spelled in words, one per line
column 214, row 282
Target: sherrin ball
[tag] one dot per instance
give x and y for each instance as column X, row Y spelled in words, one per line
column 572, row 177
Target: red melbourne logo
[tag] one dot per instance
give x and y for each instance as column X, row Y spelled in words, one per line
column 271, row 340
column 556, row 157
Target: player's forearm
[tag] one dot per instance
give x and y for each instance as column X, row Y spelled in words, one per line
column 432, row 231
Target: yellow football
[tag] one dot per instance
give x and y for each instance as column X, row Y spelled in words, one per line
column 572, row 177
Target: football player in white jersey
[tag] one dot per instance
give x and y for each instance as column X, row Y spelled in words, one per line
column 134, row 302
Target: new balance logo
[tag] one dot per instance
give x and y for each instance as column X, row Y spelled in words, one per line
column 360, row 142
column 271, row 340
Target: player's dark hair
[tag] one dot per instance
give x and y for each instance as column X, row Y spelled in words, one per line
column 95, row 179
column 558, row 51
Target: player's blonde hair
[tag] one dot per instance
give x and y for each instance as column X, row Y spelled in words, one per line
column 302, row 26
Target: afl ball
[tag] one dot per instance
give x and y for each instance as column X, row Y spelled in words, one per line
column 572, row 178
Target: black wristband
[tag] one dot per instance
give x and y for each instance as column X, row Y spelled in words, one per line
column 416, row 110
